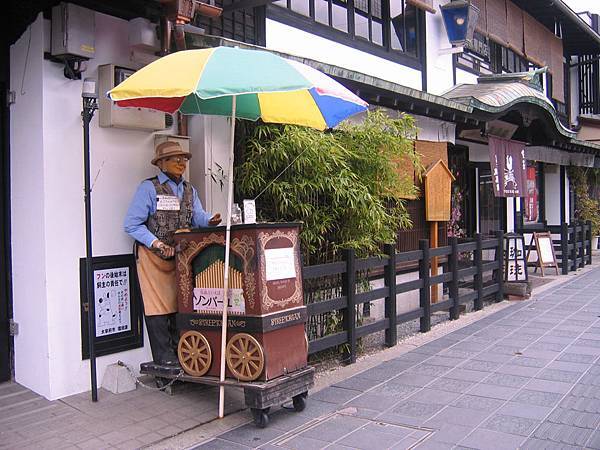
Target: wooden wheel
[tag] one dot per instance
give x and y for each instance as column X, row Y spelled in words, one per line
column 194, row 353
column 245, row 357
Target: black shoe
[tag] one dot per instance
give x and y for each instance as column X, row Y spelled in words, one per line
column 170, row 363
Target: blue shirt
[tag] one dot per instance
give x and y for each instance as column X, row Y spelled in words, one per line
column 143, row 206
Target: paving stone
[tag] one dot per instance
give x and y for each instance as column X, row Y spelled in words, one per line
column 522, row 371
column 538, row 398
column 428, row 369
column 412, row 379
column 511, row 424
column 334, row 428
column 576, row 418
column 484, row 438
column 582, row 404
column 305, row 443
column 456, row 416
column 558, row 375
column 541, row 444
column 492, row 357
column 587, row 343
column 568, row 366
column 480, row 403
column 445, row 361
column 549, row 386
column 482, row 366
column 250, row 435
column 569, row 356
column 396, row 390
column 380, row 373
column 504, row 379
column 528, row 362
column 594, row 440
column 356, row 383
column 434, row 396
column 455, row 353
column 416, row 409
column 373, row 401
column 450, row 434
column 335, row 394
column 564, row 434
column 451, row 385
column 368, row 438
column 493, row 391
column 526, row 411
column 466, row 375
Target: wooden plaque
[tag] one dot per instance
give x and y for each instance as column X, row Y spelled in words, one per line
column 438, row 181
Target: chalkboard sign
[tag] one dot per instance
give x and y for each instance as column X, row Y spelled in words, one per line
column 545, row 251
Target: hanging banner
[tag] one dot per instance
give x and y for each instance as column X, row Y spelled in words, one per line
column 507, row 162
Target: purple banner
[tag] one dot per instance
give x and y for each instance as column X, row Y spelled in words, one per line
column 507, row 162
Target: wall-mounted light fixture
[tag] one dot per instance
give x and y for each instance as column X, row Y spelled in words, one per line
column 460, row 18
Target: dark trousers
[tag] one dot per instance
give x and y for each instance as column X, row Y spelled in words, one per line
column 163, row 337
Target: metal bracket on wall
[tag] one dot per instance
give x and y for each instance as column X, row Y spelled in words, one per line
column 11, row 98
column 13, row 327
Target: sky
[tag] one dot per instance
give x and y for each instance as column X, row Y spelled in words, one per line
column 584, row 5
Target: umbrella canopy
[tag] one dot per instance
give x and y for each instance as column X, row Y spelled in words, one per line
column 266, row 86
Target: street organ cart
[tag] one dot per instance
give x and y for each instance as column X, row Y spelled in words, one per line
column 267, row 348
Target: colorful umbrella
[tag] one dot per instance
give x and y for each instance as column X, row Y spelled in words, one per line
column 267, row 86
column 238, row 83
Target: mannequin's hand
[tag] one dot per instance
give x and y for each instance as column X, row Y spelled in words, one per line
column 215, row 220
column 165, row 250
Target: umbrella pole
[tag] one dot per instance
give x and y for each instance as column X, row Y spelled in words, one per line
column 226, row 269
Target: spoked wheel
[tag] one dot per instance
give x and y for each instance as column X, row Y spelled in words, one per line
column 245, row 357
column 194, row 353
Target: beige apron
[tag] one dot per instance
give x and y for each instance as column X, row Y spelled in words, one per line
column 157, row 282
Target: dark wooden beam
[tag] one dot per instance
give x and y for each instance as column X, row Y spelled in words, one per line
column 245, row 4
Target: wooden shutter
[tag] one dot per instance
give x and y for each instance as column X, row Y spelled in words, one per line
column 481, row 25
column 495, row 11
column 514, row 18
column 427, row 5
column 537, row 45
column 557, row 68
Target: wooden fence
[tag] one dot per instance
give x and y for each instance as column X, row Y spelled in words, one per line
column 575, row 241
column 465, row 282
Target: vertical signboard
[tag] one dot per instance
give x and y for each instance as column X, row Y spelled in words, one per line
column 507, row 162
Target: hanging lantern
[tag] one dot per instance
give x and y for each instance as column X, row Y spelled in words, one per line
column 515, row 264
column 460, row 18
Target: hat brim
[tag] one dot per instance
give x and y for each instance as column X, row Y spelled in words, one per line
column 168, row 155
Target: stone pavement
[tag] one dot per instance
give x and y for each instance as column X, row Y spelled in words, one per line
column 524, row 377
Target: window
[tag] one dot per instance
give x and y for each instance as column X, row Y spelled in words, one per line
column 390, row 25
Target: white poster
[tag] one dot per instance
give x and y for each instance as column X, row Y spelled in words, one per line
column 113, row 301
column 280, row 263
column 211, row 300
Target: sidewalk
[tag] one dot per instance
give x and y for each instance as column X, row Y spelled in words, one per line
column 464, row 382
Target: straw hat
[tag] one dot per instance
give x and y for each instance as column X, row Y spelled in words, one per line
column 167, row 149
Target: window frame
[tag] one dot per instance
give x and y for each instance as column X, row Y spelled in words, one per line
column 292, row 18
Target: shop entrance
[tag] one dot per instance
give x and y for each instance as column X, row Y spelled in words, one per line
column 5, row 305
column 491, row 209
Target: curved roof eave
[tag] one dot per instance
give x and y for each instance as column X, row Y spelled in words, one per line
column 549, row 109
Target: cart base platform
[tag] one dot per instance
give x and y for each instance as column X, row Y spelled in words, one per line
column 259, row 395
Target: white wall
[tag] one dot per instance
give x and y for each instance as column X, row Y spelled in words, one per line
column 439, row 64
column 27, row 211
column 552, row 193
column 464, row 77
column 291, row 40
column 48, row 218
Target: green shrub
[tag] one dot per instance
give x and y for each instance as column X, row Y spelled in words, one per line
column 345, row 185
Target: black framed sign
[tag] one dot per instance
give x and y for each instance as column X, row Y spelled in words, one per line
column 118, row 305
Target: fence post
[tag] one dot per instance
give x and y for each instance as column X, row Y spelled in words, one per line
column 581, row 251
column 500, row 269
column 425, row 292
column 478, row 277
column 573, row 242
column 391, row 332
column 455, row 309
column 349, row 283
column 589, row 247
column 564, row 248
